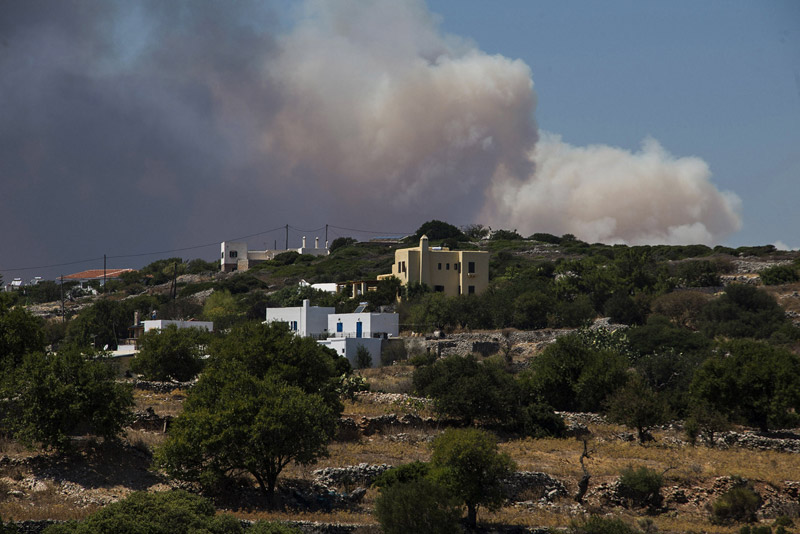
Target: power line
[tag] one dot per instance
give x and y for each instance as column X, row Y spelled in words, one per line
column 140, row 254
column 370, row 231
column 119, row 256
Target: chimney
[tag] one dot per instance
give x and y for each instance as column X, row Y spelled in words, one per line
column 304, row 241
column 316, row 242
column 136, row 318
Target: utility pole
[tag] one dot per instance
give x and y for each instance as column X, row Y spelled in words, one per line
column 104, row 273
column 326, row 235
column 287, row 237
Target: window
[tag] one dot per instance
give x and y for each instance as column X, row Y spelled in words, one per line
column 222, row 255
column 438, row 289
column 446, row 266
column 457, row 266
column 233, row 253
column 471, row 267
column 339, row 326
column 293, row 326
column 471, row 290
column 440, row 266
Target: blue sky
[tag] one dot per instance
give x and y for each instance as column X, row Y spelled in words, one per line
column 137, row 127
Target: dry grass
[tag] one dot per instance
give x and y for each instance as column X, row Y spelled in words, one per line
column 390, row 379
column 46, row 502
column 162, row 404
column 144, row 440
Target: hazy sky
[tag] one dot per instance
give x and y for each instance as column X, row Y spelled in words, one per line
column 135, row 127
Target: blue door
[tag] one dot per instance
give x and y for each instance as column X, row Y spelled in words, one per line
column 358, row 329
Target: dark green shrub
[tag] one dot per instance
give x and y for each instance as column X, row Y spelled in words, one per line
column 538, row 420
column 419, row 505
column 764, row 529
column 736, row 504
column 341, row 242
column 402, row 474
column 779, row 274
column 363, row 357
column 170, row 512
column 601, row 525
column 641, row 486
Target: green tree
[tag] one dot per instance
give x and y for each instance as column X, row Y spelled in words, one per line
column 419, row 505
column 60, row 395
column 171, row 353
column 464, row 387
column 221, row 308
column 637, row 406
column 265, row 399
column 436, row 229
column 467, row 462
column 779, row 274
column 273, row 350
column 571, row 376
column 20, row 333
column 755, row 383
column 363, row 357
column 742, row 311
column 236, row 423
column 341, row 242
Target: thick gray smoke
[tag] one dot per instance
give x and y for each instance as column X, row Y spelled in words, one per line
column 130, row 126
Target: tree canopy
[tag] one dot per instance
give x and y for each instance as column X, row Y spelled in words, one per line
column 267, row 398
column 467, row 462
column 171, row 353
column 61, row 395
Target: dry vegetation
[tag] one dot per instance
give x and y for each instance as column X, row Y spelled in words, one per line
column 38, row 485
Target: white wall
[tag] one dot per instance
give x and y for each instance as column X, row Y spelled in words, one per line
column 310, row 320
column 226, row 262
column 373, row 324
column 348, row 346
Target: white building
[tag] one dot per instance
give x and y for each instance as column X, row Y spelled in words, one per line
column 342, row 332
column 305, row 320
column 234, row 255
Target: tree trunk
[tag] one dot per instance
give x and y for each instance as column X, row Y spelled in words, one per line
column 472, row 516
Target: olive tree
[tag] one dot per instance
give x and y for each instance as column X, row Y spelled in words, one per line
column 467, row 462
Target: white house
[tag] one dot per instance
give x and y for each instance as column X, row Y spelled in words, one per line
column 342, row 332
column 234, row 255
column 306, row 320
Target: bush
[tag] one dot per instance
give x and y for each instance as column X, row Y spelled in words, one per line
column 170, row 512
column 538, row 420
column 641, row 486
column 402, row 474
column 419, row 505
column 464, row 387
column 61, row 395
column 736, row 504
column 363, row 357
column 779, row 274
column 601, row 525
column 171, row 353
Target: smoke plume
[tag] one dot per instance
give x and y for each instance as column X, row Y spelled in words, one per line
column 131, row 126
column 378, row 101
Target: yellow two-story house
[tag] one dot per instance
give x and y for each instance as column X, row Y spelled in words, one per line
column 453, row 272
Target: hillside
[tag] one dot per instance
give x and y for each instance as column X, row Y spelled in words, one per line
column 663, row 311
